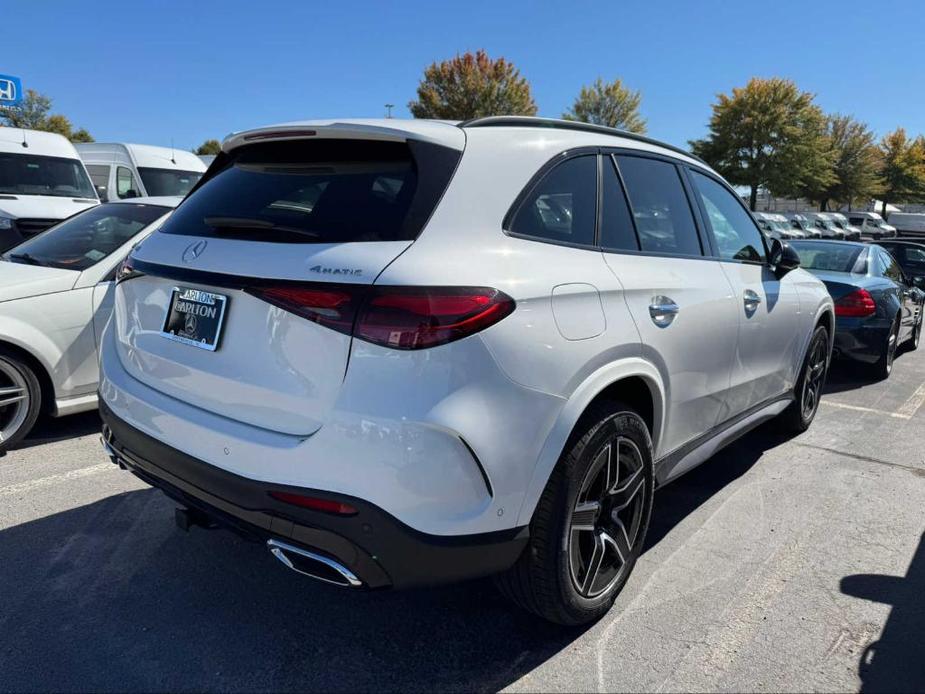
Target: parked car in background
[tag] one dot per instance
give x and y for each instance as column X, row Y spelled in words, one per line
column 877, row 307
column 124, row 171
column 852, row 233
column 776, row 226
column 802, row 223
column 871, row 225
column 411, row 352
column 910, row 224
column 42, row 181
column 826, row 226
column 56, row 293
column 909, row 254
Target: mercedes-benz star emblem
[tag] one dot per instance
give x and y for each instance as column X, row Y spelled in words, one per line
column 194, row 250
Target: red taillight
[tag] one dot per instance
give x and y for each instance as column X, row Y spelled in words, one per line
column 857, row 304
column 419, row 318
column 396, row 317
column 325, row 505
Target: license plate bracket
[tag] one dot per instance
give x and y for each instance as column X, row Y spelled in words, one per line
column 195, row 318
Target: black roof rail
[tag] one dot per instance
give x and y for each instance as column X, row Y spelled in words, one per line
column 559, row 124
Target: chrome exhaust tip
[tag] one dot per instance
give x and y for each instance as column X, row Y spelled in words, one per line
column 313, row 565
column 114, row 456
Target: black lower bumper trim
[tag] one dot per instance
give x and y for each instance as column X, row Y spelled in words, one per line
column 374, row 545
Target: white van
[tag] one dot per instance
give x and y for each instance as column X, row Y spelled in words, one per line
column 42, row 181
column 908, row 223
column 121, row 171
column 871, row 225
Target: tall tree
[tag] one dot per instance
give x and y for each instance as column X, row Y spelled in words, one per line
column 902, row 168
column 470, row 86
column 34, row 114
column 209, row 147
column 767, row 133
column 610, row 104
column 854, row 165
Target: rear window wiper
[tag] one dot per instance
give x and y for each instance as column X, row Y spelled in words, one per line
column 25, row 258
column 249, row 224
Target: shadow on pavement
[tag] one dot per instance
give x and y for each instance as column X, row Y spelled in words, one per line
column 847, row 375
column 895, row 663
column 50, row 429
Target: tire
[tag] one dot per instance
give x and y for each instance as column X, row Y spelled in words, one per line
column 884, row 366
column 915, row 338
column 22, row 395
column 808, row 389
column 553, row 578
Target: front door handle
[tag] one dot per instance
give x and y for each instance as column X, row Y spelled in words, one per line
column 663, row 310
column 752, row 301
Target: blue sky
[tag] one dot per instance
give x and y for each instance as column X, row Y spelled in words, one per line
column 152, row 72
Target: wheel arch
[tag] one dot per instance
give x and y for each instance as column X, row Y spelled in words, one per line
column 634, row 381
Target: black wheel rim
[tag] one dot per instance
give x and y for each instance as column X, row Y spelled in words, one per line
column 813, row 379
column 607, row 517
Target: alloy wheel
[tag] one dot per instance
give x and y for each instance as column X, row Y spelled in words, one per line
column 14, row 400
column 607, row 517
column 891, row 347
column 813, row 379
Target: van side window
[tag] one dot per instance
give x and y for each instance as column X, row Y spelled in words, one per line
column 563, row 206
column 617, row 231
column 663, row 216
column 734, row 232
column 125, row 184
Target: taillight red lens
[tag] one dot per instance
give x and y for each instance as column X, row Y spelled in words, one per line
column 326, row 505
column 332, row 307
column 416, row 318
column 396, row 317
column 857, row 304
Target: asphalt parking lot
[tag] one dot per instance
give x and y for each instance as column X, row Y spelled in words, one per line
column 778, row 565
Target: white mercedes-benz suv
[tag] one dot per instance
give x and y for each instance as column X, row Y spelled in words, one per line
column 411, row 352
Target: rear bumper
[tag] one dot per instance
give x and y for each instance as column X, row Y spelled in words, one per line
column 377, row 548
column 861, row 342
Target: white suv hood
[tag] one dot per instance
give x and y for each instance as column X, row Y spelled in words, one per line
column 42, row 206
column 19, row 281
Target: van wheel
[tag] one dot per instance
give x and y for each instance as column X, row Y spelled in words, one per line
column 808, row 389
column 20, row 399
column 591, row 521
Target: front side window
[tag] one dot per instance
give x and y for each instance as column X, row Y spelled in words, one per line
column 125, row 184
column 735, row 235
column 99, row 174
column 29, row 174
column 167, row 181
column 563, row 205
column 660, row 208
column 88, row 237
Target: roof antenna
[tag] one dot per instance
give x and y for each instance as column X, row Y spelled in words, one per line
column 173, row 159
column 24, row 143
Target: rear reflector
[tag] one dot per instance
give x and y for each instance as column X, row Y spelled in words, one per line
column 325, row 505
column 396, row 317
column 857, row 304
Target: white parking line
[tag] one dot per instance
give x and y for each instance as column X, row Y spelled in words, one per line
column 871, row 410
column 52, row 480
column 911, row 406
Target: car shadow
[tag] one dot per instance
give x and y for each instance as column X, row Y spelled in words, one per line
column 847, row 375
column 51, row 429
column 894, row 663
column 112, row 596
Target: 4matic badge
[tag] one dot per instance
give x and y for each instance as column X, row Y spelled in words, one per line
column 321, row 270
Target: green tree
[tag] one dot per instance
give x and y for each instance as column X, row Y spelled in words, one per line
column 768, row 133
column 34, row 114
column 610, row 104
column 209, row 147
column 472, row 85
column 854, row 162
column 902, row 168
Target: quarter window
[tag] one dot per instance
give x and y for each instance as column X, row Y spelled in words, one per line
column 660, row 208
column 563, row 206
column 734, row 232
column 890, row 267
column 617, row 231
column 125, row 184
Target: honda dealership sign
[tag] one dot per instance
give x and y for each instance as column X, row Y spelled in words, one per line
column 10, row 90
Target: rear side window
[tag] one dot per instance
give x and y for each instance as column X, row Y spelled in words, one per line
column 735, row 234
column 319, row 191
column 563, row 205
column 662, row 213
column 617, row 231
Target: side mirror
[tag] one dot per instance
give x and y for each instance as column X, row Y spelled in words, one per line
column 101, row 192
column 783, row 258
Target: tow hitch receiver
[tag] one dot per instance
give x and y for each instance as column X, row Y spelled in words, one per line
column 186, row 518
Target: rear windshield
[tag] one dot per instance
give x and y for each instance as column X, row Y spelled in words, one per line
column 831, row 257
column 167, row 182
column 319, row 191
column 29, row 174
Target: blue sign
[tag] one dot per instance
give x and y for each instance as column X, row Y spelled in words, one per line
column 10, row 90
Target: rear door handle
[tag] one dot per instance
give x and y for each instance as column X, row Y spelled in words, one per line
column 663, row 310
column 752, row 300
